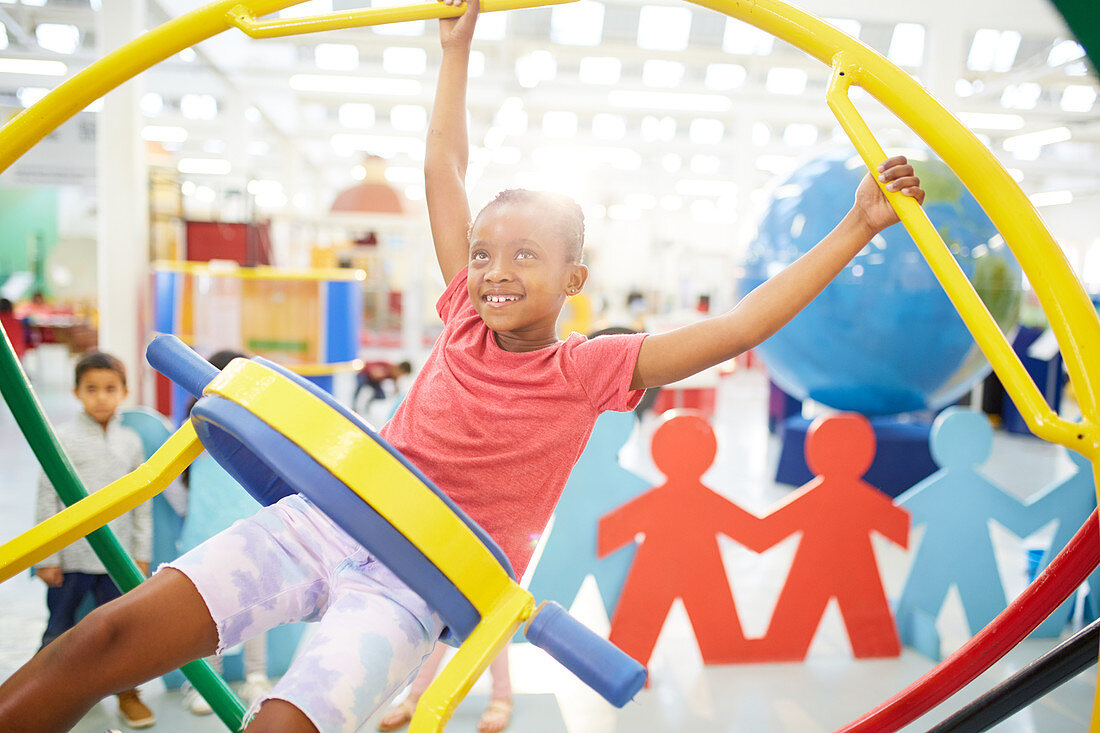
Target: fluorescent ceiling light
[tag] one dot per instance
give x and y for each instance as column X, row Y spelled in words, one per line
column 163, row 133
column 607, row 126
column 723, row 77
column 354, row 85
column 744, row 39
column 663, row 28
column 29, row 95
column 188, row 55
column 1064, row 51
column 991, row 121
column 576, row 24
column 669, row 100
column 1078, row 98
column 907, row 44
column 1042, row 137
column 33, row 67
column 963, row 88
column 198, row 106
column 57, row 37
column 1051, row 198
column 641, row 200
column 491, row 27
column 204, row 166
column 982, row 49
column 1007, row 46
column 705, row 131
column 358, row 115
column 559, row 124
column 404, row 60
column 600, row 70
column 658, row 129
column 783, row 80
column 336, row 56
column 535, row 67
column 661, row 73
column 1024, row 95
column 152, row 104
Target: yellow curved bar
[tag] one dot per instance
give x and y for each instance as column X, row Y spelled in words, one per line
column 955, row 283
column 259, row 272
column 324, row 370
column 370, row 471
column 244, row 19
column 100, row 507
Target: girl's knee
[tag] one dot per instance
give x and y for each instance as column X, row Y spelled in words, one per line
column 280, row 716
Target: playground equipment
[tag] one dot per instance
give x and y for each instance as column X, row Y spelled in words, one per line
column 1069, row 310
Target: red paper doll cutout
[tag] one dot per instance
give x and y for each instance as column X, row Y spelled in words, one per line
column 679, row 557
column 836, row 513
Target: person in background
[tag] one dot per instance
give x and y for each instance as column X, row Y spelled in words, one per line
column 497, row 714
column 374, row 375
column 13, row 327
column 101, row 450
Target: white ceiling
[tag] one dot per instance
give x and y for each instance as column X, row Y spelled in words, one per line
column 267, row 130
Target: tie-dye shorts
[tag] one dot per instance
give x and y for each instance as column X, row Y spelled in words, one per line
column 289, row 562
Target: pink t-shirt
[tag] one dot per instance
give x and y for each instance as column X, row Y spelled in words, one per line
column 499, row 431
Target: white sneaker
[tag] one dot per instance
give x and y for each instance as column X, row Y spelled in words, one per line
column 195, row 703
column 255, row 686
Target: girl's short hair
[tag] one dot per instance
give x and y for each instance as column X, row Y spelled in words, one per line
column 98, row 360
column 564, row 211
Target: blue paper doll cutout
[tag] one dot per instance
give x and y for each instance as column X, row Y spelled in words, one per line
column 955, row 504
column 597, row 485
column 1071, row 502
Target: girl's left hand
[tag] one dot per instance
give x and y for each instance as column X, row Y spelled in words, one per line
column 897, row 174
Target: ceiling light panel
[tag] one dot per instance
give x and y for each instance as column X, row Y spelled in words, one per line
column 747, row 40
column 577, row 23
column 1064, row 51
column 336, row 56
column 663, row 28
column 404, row 60
column 907, row 45
column 199, row 107
column 57, row 37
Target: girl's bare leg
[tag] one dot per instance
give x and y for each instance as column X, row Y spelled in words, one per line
column 279, row 716
column 153, row 629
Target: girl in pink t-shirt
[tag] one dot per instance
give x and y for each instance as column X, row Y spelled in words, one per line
column 497, row 418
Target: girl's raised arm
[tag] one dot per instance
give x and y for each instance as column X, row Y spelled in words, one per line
column 669, row 357
column 448, row 146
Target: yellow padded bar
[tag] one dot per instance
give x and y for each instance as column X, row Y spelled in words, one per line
column 100, row 507
column 370, row 471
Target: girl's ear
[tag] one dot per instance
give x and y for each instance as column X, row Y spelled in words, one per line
column 578, row 276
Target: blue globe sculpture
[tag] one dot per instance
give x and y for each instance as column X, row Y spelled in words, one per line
column 882, row 338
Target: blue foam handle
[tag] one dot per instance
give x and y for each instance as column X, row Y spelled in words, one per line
column 596, row 661
column 180, row 363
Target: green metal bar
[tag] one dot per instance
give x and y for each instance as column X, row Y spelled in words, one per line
column 31, row 419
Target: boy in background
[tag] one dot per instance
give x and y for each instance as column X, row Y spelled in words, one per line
column 101, row 450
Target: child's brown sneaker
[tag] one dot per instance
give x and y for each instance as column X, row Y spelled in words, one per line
column 133, row 711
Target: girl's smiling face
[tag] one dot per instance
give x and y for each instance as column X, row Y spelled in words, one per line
column 520, row 275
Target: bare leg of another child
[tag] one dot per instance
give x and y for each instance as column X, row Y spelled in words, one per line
column 498, row 713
